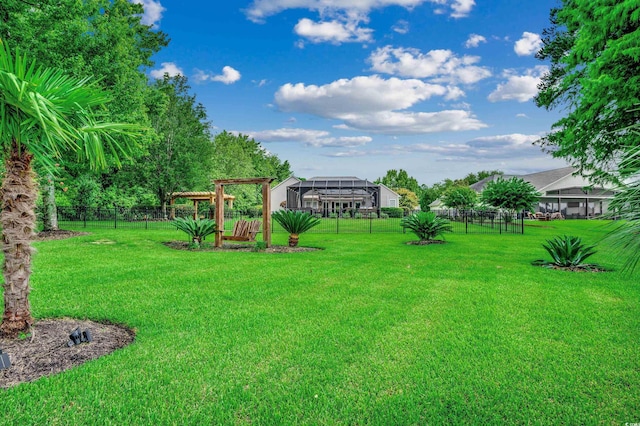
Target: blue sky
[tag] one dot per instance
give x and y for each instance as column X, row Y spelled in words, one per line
column 440, row 88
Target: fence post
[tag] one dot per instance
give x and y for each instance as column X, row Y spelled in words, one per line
column 85, row 217
column 115, row 217
column 466, row 222
column 338, row 222
column 522, row 222
column 370, row 223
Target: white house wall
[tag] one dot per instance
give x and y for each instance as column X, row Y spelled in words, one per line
column 388, row 197
column 279, row 192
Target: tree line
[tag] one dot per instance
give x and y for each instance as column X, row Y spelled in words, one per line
column 176, row 152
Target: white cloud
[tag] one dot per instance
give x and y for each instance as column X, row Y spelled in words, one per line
column 474, row 40
column 401, row 27
column 167, row 68
column 439, row 65
column 315, row 138
column 152, row 12
column 514, row 145
column 335, row 31
column 375, row 104
column 229, row 76
column 528, row 44
column 412, row 123
column 462, row 8
column 259, row 10
column 364, row 94
column 522, row 115
column 521, row 88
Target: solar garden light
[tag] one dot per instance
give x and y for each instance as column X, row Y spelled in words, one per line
column 5, row 362
column 76, row 337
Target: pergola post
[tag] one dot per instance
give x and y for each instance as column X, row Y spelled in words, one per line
column 219, row 214
column 266, row 213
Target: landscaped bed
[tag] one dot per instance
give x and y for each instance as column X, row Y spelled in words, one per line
column 369, row 330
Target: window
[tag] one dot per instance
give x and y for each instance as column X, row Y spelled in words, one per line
column 393, row 202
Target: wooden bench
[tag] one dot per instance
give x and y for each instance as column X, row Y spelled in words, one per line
column 244, row 231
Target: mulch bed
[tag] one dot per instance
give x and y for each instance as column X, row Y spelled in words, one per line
column 44, row 351
column 59, row 234
column 183, row 245
column 425, row 243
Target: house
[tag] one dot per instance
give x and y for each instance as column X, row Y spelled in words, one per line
column 326, row 195
column 571, row 195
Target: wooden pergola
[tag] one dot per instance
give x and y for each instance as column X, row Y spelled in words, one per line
column 197, row 197
column 266, row 205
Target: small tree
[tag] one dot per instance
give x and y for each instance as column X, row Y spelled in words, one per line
column 408, row 199
column 295, row 223
column 196, row 229
column 426, row 225
column 460, row 197
column 513, row 194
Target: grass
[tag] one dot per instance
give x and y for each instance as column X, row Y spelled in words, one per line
column 367, row 331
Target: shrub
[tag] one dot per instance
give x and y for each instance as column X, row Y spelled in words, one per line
column 460, row 197
column 393, row 211
column 197, row 229
column 357, row 215
column 567, row 252
column 426, row 225
column 295, row 223
column 383, row 215
column 513, row 194
column 373, row 215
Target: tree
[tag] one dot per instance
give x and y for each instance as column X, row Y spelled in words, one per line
column 396, row 179
column 408, row 199
column 626, row 205
column 460, row 197
column 241, row 156
column 594, row 49
column 428, row 196
column 513, row 194
column 103, row 38
column 180, row 154
column 43, row 112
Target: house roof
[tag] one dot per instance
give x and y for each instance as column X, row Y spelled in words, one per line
column 337, row 182
column 539, row 180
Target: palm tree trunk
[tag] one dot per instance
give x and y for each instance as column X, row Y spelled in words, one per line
column 293, row 240
column 18, row 197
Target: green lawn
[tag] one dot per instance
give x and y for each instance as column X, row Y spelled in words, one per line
column 367, row 331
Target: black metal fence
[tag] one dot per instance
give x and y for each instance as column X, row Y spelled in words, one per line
column 467, row 221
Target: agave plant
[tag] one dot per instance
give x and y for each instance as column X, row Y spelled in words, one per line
column 196, row 229
column 426, row 225
column 567, row 252
column 295, row 223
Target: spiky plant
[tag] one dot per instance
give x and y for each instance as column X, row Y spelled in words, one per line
column 567, row 252
column 426, row 225
column 196, row 229
column 295, row 223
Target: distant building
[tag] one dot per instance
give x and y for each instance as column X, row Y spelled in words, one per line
column 326, row 195
column 562, row 192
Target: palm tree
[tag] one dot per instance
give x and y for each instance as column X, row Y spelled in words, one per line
column 295, row 223
column 42, row 113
